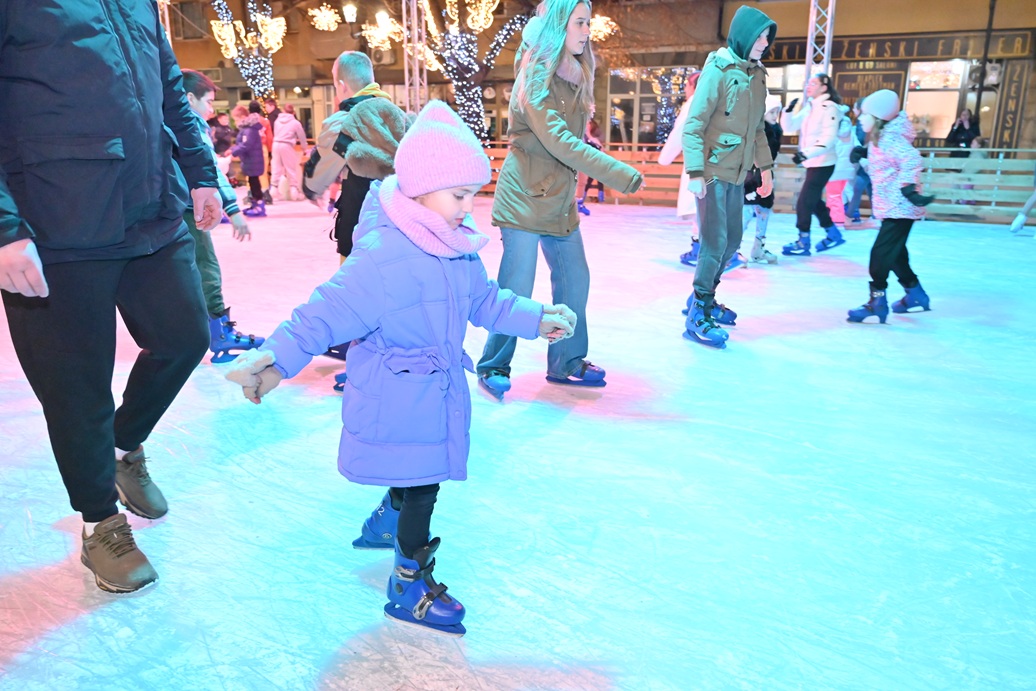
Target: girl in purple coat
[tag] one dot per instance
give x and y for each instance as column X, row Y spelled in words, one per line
column 895, row 170
column 249, row 148
column 404, row 297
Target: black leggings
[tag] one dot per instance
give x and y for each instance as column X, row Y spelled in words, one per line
column 255, row 188
column 812, row 199
column 889, row 253
column 415, row 516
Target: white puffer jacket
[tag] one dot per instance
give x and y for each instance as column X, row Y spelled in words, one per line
column 844, row 169
column 817, row 122
column 673, row 148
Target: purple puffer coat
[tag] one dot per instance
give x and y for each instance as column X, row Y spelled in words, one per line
column 893, row 163
column 406, row 408
column 249, row 146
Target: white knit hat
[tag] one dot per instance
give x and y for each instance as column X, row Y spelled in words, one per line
column 439, row 152
column 883, row 105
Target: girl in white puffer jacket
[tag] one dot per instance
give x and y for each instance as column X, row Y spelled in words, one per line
column 818, row 122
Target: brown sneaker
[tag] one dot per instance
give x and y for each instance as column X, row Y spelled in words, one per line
column 118, row 566
column 136, row 490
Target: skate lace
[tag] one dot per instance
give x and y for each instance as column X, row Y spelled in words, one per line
column 118, row 541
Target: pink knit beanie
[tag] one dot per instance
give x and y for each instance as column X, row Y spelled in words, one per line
column 438, row 152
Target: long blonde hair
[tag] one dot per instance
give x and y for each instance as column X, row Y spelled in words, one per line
column 543, row 47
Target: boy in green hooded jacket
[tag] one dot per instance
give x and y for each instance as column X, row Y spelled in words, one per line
column 722, row 139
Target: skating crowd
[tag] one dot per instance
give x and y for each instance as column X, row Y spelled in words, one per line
column 133, row 235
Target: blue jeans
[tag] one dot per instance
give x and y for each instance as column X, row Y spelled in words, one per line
column 861, row 184
column 762, row 217
column 570, row 285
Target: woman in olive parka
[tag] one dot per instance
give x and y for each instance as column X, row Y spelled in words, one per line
column 534, row 202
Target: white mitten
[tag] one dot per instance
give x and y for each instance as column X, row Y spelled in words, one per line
column 253, row 370
column 564, row 311
column 554, row 327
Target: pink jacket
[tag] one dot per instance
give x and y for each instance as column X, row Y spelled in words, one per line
column 894, row 163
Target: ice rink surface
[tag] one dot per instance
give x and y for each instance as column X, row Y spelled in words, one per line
column 820, row 505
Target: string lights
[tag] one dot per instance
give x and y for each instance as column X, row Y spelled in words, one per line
column 324, row 18
column 252, row 47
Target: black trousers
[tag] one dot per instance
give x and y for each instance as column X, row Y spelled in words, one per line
column 255, row 188
column 889, row 253
column 812, row 199
column 415, row 516
column 66, row 346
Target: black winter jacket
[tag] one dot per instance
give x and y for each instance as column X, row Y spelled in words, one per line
column 91, row 109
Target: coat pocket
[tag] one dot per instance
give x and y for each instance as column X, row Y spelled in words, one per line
column 726, row 144
column 541, row 188
column 73, row 199
column 413, row 399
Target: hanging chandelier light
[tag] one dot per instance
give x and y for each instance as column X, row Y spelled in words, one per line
column 324, row 18
column 601, row 27
column 384, row 30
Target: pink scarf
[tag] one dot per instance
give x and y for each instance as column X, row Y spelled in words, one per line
column 427, row 229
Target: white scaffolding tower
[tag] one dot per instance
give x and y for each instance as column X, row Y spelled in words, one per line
column 821, row 33
column 415, row 69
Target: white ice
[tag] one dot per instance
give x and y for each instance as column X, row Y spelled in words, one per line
column 820, row 505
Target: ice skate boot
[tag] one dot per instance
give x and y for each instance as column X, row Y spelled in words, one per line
column 495, row 383
column 581, row 207
column 415, row 598
column 701, row 327
column 722, row 314
column 256, row 210
column 736, row 262
column 834, row 239
column 799, row 248
column 223, row 338
column 877, row 306
column 379, row 530
column 340, row 380
column 915, row 297
column 691, row 258
column 761, row 255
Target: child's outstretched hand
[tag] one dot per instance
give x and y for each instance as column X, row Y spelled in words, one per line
column 255, row 372
column 558, row 323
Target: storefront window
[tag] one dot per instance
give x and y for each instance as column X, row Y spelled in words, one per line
column 644, row 103
column 933, row 95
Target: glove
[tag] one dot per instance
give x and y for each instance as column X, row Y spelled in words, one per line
column 799, row 157
column 558, row 323
column 255, row 372
column 858, row 152
column 791, row 105
column 915, row 197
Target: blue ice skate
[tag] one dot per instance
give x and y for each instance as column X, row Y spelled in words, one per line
column 877, row 306
column 379, row 530
column 701, row 327
column 834, row 239
column 691, row 258
column 495, row 383
column 799, row 248
column 340, row 380
column 915, row 297
column 224, row 338
column 416, row 599
column 736, row 262
column 723, row 314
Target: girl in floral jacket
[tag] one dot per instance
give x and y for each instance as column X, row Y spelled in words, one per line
column 404, row 296
column 895, row 170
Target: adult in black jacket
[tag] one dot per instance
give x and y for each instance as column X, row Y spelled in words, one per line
column 963, row 132
column 91, row 221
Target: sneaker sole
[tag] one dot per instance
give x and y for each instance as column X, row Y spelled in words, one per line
column 108, row 586
column 136, row 510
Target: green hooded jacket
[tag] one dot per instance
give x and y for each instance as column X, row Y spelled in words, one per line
column 724, row 135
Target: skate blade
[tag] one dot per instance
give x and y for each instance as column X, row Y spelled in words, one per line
column 829, row 246
column 364, row 543
column 222, row 356
column 711, row 344
column 404, row 617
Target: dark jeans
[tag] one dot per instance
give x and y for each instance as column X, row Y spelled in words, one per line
column 208, row 267
column 812, row 199
column 889, row 253
column 66, row 346
column 720, row 228
column 415, row 516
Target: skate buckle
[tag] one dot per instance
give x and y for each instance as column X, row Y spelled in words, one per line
column 426, row 601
